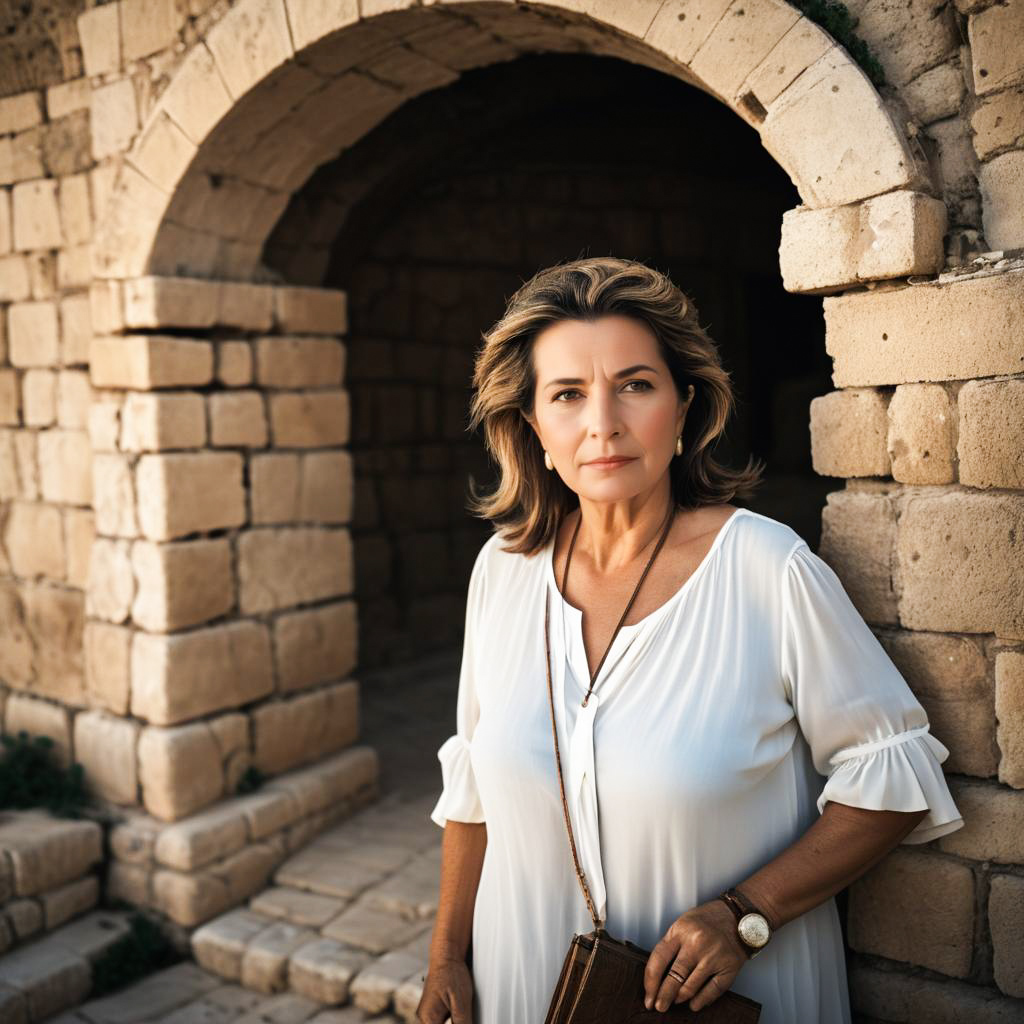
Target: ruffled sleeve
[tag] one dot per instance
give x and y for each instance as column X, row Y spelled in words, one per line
column 459, row 800
column 866, row 730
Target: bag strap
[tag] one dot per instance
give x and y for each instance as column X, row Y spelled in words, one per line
column 551, row 695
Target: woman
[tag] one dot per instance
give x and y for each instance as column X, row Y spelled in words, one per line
column 740, row 676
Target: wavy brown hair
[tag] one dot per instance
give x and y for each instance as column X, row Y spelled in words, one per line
column 530, row 501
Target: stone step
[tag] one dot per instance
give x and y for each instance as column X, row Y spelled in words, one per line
column 347, row 920
column 54, row 972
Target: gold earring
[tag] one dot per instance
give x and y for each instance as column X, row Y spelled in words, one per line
column 679, row 445
column 547, row 460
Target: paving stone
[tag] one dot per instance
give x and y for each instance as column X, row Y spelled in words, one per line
column 153, row 996
column 92, row 935
column 282, row 1009
column 220, row 944
column 323, row 970
column 386, row 856
column 297, row 907
column 375, row 985
column 352, row 1015
column 46, row 852
column 412, row 891
column 49, row 977
column 326, row 872
column 376, row 931
column 265, row 961
column 202, row 1011
column 13, row 1008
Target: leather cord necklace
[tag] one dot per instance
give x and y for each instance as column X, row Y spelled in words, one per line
column 551, row 695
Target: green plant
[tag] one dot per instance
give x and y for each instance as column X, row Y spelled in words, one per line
column 837, row 21
column 143, row 949
column 30, row 776
column 252, row 778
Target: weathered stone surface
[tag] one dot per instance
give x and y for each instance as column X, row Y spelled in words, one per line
column 34, row 540
column 283, row 362
column 153, row 997
column 921, row 439
column 32, row 335
column 314, row 645
column 108, row 665
column 993, row 823
column 46, row 852
column 211, row 480
column 310, row 910
column 287, row 733
column 49, row 977
column 234, row 364
column 916, row 908
column 163, row 421
column 285, row 567
column 265, row 960
column 58, row 615
column 1006, row 921
column 310, row 419
column 1001, row 180
column 412, row 891
column 186, row 675
column 246, row 872
column 100, row 33
column 105, row 745
column 997, row 50
column 68, row 901
column 950, row 331
column 40, row 718
column 990, row 446
column 959, row 558
column 238, row 420
column 375, row 985
column 113, row 488
column 998, row 122
column 220, row 945
column 145, row 362
column 1010, row 713
column 65, row 469
column 36, row 215
column 848, row 432
column 323, row 970
column 179, row 769
column 377, row 931
column 190, row 899
column 111, row 583
column 113, row 117
column 310, row 310
column 182, row 583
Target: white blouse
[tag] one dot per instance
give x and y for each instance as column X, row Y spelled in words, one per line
column 703, row 744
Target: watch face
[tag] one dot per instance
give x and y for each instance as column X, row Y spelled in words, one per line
column 754, row 930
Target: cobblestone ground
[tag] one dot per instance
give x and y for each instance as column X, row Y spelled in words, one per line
column 342, row 934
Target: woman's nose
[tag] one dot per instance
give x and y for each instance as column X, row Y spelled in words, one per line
column 603, row 412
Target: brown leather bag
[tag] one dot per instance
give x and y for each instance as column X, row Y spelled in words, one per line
column 602, row 978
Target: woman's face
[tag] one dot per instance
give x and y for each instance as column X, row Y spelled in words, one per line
column 603, row 389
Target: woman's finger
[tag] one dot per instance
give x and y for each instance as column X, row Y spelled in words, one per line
column 675, row 977
column 661, row 958
column 712, row 989
column 695, row 979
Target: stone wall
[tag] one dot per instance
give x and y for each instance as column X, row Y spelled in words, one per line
column 175, row 474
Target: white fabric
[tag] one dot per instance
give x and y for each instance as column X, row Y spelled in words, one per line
column 715, row 719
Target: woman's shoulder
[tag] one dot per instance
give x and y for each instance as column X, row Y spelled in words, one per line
column 763, row 541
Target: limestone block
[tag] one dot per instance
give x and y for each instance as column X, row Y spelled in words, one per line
column 149, row 26
column 66, row 98
column 858, row 537
column 49, row 977
column 998, row 122
column 125, row 232
column 188, row 900
column 161, row 422
column 310, row 310
column 950, row 676
column 32, row 334
column 237, row 419
column 275, row 479
column 108, row 665
column 1006, row 921
column 996, row 35
column 916, row 908
column 411, row 891
column 949, row 331
column 46, row 852
column 314, row 645
column 280, row 568
column 220, row 945
column 105, row 745
column 234, row 364
column 133, row 839
column 36, row 215
column 248, row 871
column 113, row 496
column 265, row 960
column 79, row 533
column 993, row 823
column 268, row 812
column 74, row 268
column 175, row 678
column 34, row 540
column 10, row 398
column 106, row 306
column 196, row 98
column 181, row 584
column 819, row 248
column 14, row 281
column 201, row 838
column 299, row 362
column 75, row 211
column 310, row 419
column 21, row 156
column 55, row 617
column 901, row 233
column 848, row 433
column 678, row 36
column 39, row 398
column 293, row 732
column 6, row 234
column 113, row 118
column 246, row 306
column 1010, row 713
column 991, row 437
column 100, row 33
column 25, row 917
column 908, row 39
column 74, row 396
column 959, row 562
column 104, row 422
column 807, row 131
column 21, row 111
column 249, row 42
column 155, row 302
column 310, row 22
column 61, row 905
column 303, row 909
column 65, row 466
column 17, row 655
column 40, row 718
column 375, row 985
column 179, row 769
column 111, row 582
column 129, row 883
column 181, row 494
column 1002, row 179
column 145, row 362
column 739, row 42
column 324, row 969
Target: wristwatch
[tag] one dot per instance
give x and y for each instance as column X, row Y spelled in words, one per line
column 752, row 926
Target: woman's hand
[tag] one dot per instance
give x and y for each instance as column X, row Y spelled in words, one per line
column 702, row 946
column 447, row 992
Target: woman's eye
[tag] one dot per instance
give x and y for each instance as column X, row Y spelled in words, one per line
column 573, row 391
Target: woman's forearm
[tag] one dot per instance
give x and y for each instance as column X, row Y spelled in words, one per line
column 837, row 849
column 462, row 859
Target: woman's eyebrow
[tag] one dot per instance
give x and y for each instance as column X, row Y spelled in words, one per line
column 615, row 376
